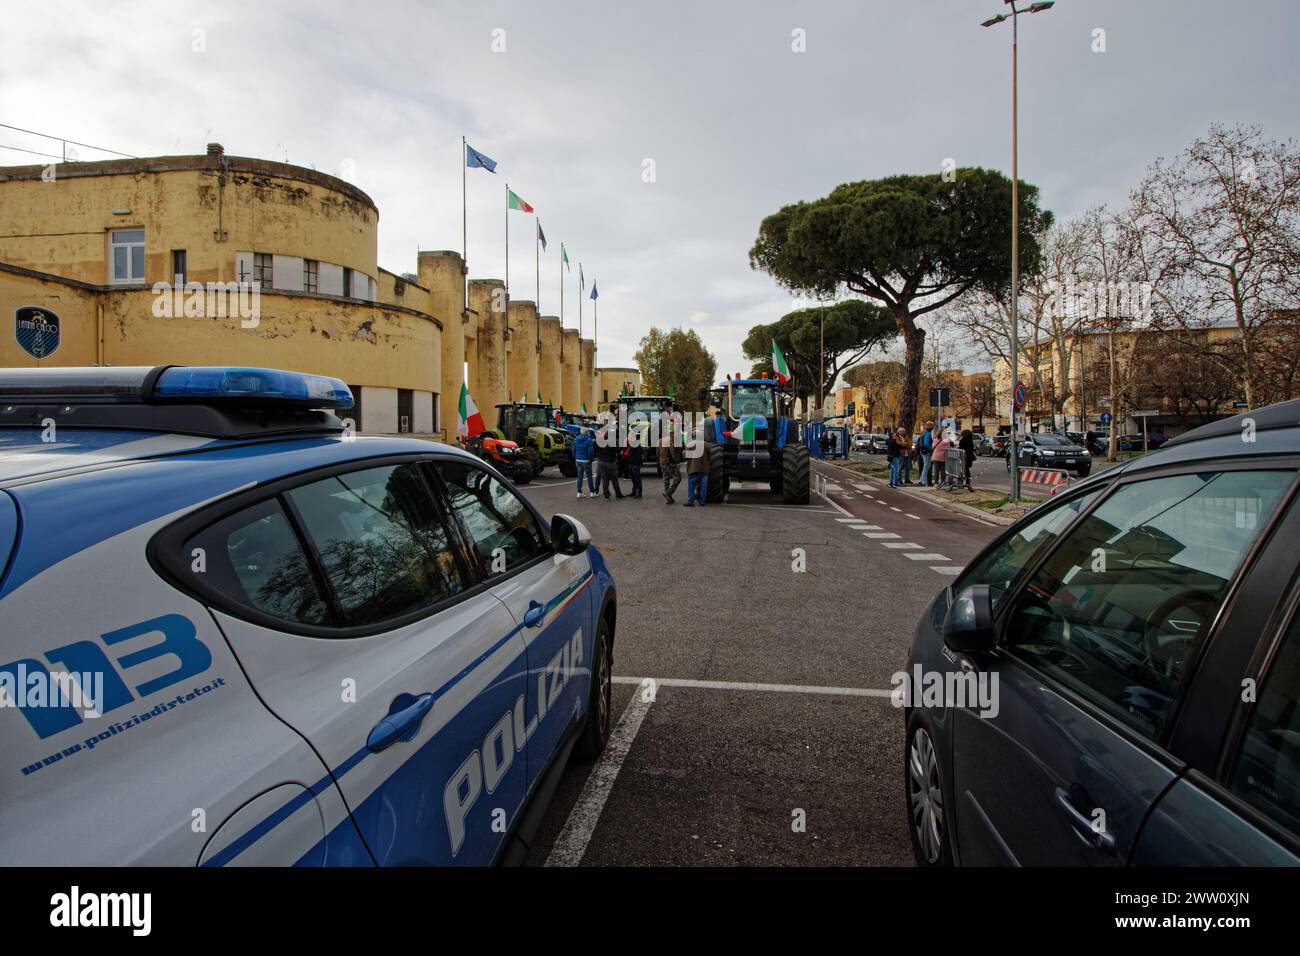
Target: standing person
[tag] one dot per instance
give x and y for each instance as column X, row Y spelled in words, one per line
column 584, row 453
column 893, row 452
column 938, row 458
column 635, row 459
column 670, row 458
column 925, row 448
column 697, row 471
column 905, row 457
column 607, row 456
column 824, row 441
column 967, row 446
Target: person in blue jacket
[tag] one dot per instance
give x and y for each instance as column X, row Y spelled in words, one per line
column 584, row 453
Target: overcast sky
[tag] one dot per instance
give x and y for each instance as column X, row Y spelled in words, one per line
column 736, row 122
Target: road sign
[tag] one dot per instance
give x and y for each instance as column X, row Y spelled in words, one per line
column 1145, row 414
column 1104, row 418
column 1020, row 395
column 940, row 397
column 1240, row 404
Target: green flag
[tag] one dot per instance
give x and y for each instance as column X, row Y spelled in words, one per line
column 564, row 257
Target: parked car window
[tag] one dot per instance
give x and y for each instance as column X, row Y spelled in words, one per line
column 1267, row 769
column 255, row 558
column 1117, row 609
column 503, row 529
column 1003, row 565
column 384, row 546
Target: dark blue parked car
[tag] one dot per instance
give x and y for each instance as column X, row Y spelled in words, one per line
column 1119, row 672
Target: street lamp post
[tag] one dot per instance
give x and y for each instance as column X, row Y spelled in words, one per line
column 1014, row 16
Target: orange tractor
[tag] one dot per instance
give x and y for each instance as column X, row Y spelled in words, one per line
column 502, row 453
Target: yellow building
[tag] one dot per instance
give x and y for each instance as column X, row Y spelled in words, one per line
column 615, row 382
column 226, row 260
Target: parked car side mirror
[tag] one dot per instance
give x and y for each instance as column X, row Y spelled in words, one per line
column 968, row 625
column 569, row 535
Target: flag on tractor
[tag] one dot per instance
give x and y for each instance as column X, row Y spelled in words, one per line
column 584, row 408
column 470, row 422
column 746, row 427
column 779, row 367
column 516, row 203
column 476, row 160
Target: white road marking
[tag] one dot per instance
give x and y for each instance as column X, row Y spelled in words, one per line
column 571, row 845
column 914, row 517
column 929, row 556
column 900, row 545
column 953, row 570
column 866, row 527
column 880, row 534
column 892, row 508
column 846, row 520
column 745, row 685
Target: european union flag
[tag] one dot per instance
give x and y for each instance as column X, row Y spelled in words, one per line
column 474, row 159
column 594, row 294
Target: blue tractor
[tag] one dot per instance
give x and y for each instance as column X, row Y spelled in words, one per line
column 752, row 436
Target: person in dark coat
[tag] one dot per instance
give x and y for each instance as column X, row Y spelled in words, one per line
column 635, row 459
column 967, row 446
column 607, row 458
column 893, row 452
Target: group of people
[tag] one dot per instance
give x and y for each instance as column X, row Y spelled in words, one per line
column 597, row 463
column 929, row 452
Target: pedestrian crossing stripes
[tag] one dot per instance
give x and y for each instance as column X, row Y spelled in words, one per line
column 880, row 534
column 900, row 545
column 928, row 556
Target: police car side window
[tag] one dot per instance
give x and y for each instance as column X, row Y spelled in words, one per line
column 1267, row 770
column 1119, row 608
column 1002, row 566
column 255, row 558
column 500, row 525
column 381, row 541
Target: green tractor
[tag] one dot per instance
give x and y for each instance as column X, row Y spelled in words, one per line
column 649, row 406
column 753, row 437
column 531, row 425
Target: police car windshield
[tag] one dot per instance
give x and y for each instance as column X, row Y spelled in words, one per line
column 751, row 400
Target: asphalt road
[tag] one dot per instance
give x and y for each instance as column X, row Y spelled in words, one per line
column 769, row 703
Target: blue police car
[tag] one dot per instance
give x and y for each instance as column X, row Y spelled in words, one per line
column 234, row 632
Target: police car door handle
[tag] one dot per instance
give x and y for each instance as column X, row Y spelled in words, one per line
column 401, row 723
column 533, row 616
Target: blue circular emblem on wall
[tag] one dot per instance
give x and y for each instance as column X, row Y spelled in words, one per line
column 37, row 331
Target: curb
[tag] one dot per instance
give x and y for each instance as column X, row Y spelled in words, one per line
column 978, row 514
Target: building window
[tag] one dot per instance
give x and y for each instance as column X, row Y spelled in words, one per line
column 179, row 272
column 605, row 396
column 347, row 281
column 405, row 410
column 127, row 255
column 310, row 275
column 264, row 270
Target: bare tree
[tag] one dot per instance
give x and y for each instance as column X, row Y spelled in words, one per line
column 1219, row 227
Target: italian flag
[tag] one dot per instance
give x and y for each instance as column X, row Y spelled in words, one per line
column 779, row 367
column 470, row 421
column 517, row 203
column 745, row 428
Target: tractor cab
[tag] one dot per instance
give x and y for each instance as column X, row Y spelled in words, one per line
column 757, row 438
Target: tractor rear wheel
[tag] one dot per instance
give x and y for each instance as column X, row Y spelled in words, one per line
column 795, row 473
column 568, row 467
column 717, row 489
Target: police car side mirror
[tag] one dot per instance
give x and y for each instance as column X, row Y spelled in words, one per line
column 569, row 535
column 968, row 625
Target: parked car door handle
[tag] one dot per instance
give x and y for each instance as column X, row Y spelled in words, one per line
column 1083, row 825
column 402, row 722
column 533, row 616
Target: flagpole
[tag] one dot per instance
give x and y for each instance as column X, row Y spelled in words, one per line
column 507, row 315
column 581, row 289
column 561, row 302
column 464, row 222
column 537, row 265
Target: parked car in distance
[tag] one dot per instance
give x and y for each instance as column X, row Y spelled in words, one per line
column 999, row 445
column 1112, row 630
column 985, row 446
column 1134, row 442
column 1048, row 450
column 861, row 441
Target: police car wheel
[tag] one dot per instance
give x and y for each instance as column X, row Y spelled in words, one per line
column 923, row 790
column 595, row 730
